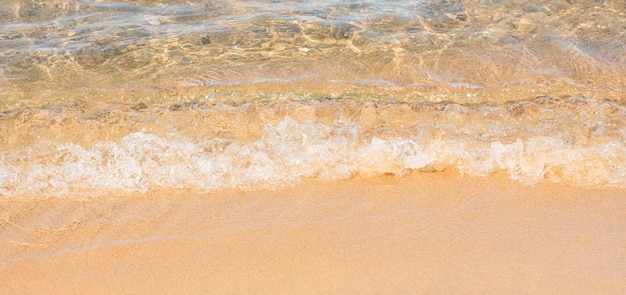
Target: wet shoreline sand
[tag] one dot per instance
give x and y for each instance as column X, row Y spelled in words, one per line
column 422, row 233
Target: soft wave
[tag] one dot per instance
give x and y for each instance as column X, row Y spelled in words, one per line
column 574, row 141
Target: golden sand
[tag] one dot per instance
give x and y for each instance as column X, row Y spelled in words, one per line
column 426, row 233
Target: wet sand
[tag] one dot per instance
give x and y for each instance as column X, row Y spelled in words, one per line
column 425, row 233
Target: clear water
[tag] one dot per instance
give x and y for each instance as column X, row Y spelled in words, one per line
column 106, row 96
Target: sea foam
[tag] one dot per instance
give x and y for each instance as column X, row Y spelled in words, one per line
column 576, row 141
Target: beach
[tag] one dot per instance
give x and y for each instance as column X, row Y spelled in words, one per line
column 424, row 233
column 307, row 147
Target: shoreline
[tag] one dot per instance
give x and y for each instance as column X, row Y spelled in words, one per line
column 175, row 95
column 422, row 233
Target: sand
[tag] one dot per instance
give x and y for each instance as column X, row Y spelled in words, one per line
column 425, row 233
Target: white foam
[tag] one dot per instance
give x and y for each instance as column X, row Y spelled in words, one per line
column 289, row 152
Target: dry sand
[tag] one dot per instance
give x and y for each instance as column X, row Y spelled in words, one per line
column 426, row 233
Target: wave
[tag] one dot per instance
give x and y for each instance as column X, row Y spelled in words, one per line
column 92, row 150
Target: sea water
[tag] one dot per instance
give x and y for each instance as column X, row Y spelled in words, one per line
column 98, row 97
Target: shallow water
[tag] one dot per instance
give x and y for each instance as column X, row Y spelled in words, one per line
column 56, row 51
column 114, row 95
